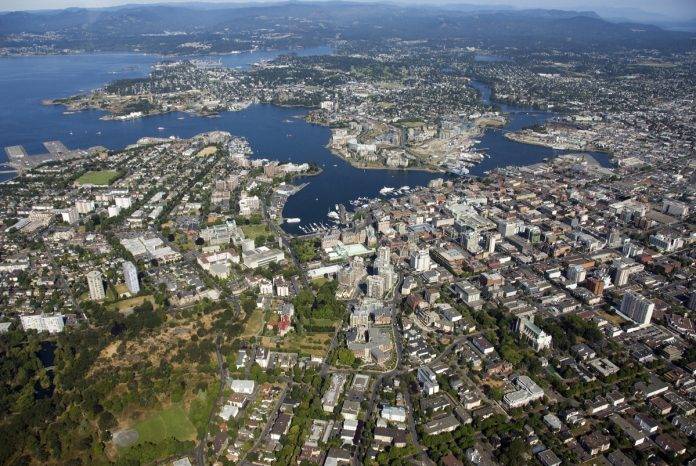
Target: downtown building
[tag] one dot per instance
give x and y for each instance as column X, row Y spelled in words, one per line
column 637, row 308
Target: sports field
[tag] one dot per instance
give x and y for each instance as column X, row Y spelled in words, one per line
column 100, row 178
column 170, row 422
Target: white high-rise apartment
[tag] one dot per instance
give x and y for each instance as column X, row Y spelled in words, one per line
column 420, row 260
column 637, row 308
column 96, row 287
column 130, row 276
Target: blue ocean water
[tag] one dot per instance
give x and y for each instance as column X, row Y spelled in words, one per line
column 273, row 132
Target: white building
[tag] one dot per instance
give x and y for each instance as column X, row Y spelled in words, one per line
column 637, row 308
column 248, row 204
column 420, row 260
column 394, row 413
column 53, row 323
column 527, row 392
column 375, row 286
column 83, row 206
column 70, row 215
column 96, row 287
column 428, row 380
column 539, row 339
column 576, row 273
column 123, row 202
column 261, row 257
column 245, row 387
column 130, row 276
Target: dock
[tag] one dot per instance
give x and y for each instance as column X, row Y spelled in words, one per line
column 15, row 152
column 56, row 148
column 21, row 161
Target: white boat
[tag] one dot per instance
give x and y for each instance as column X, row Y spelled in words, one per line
column 292, row 220
column 386, row 190
column 160, row 128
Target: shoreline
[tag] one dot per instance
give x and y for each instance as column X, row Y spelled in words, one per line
column 74, row 53
column 382, row 167
column 537, row 142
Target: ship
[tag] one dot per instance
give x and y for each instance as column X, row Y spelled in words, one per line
column 386, row 190
column 292, row 220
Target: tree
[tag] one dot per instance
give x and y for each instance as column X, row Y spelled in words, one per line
column 346, row 356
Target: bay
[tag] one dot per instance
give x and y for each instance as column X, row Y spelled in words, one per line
column 278, row 133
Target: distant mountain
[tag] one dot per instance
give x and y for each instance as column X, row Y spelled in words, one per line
column 123, row 28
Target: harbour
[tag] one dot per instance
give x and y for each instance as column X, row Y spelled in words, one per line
column 265, row 126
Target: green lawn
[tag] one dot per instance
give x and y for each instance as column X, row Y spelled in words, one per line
column 252, row 231
column 170, row 422
column 254, row 323
column 101, row 177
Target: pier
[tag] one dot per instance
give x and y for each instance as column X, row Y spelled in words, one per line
column 20, row 161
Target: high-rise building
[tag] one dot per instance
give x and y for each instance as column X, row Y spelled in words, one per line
column 692, row 301
column 420, row 260
column 83, row 206
column 70, row 215
column 96, row 287
column 375, row 286
column 130, row 276
column 637, row 308
column 384, row 254
column 623, row 269
column 614, row 238
column 471, row 242
column 533, row 234
column 507, row 227
column 595, row 285
column 576, row 273
column 491, row 240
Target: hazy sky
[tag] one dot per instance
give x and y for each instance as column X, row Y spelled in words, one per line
column 676, row 9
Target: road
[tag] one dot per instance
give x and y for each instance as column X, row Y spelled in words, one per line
column 271, row 419
column 284, row 237
column 200, row 448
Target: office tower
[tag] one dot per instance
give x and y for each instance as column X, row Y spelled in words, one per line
column 507, row 227
column 130, row 276
column 96, row 287
column 637, row 308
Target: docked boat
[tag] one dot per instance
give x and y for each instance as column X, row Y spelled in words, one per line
column 292, row 220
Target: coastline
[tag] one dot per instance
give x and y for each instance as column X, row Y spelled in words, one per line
column 354, row 164
column 520, row 138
